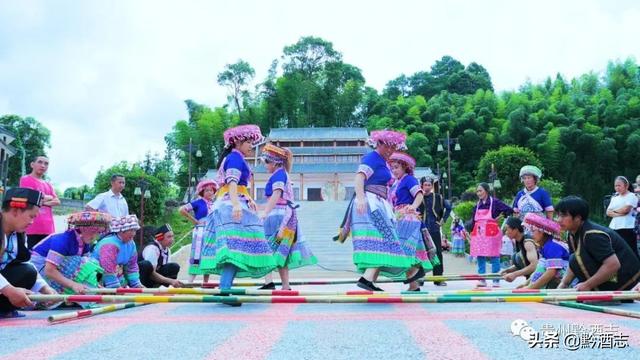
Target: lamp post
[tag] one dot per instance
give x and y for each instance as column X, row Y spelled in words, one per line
column 145, row 193
column 448, row 142
column 198, row 154
column 494, row 182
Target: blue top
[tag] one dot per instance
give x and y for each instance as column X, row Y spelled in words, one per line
column 112, row 252
column 375, row 169
column 236, row 168
column 277, row 180
column 200, row 208
column 64, row 244
column 537, row 201
column 406, row 190
column 553, row 249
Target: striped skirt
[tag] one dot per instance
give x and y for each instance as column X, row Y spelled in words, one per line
column 197, row 247
column 289, row 248
column 410, row 236
column 375, row 239
column 239, row 243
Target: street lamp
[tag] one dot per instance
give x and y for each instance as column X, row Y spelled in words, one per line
column 144, row 193
column 494, row 182
column 198, row 155
column 448, row 142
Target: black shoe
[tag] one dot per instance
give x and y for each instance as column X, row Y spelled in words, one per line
column 269, row 286
column 440, row 283
column 367, row 285
column 416, row 289
column 417, row 276
column 233, row 304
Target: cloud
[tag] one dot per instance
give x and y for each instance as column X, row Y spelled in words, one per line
column 109, row 78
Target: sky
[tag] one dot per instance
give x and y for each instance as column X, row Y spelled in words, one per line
column 109, row 78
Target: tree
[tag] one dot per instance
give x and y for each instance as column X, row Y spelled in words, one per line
column 204, row 130
column 236, row 77
column 32, row 139
column 152, row 170
column 507, row 161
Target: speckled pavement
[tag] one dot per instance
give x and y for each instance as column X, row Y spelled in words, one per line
column 309, row 331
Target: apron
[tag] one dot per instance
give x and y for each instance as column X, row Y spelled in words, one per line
column 486, row 237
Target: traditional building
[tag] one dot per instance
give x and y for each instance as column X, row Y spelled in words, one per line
column 324, row 161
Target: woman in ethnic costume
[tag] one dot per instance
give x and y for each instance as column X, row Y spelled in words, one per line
column 240, row 248
column 200, row 207
column 117, row 254
column 369, row 217
column 554, row 254
column 63, row 259
column 406, row 196
column 532, row 198
column 280, row 217
column 486, row 237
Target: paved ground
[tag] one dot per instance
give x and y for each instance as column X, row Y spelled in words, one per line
column 316, row 331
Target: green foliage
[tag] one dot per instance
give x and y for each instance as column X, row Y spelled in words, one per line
column 507, row 162
column 582, row 132
column 156, row 172
column 31, row 139
column 77, row 193
column 554, row 188
column 464, row 209
column 236, row 77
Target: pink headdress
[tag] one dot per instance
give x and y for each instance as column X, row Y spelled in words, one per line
column 388, row 137
column 242, row 133
column 533, row 221
column 405, row 159
column 204, row 183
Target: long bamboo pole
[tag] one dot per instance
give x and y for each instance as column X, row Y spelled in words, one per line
column 91, row 312
column 330, row 299
column 353, row 281
column 253, row 292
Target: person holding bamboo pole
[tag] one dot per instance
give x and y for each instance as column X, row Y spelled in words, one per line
column 601, row 259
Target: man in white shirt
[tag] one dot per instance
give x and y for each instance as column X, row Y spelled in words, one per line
column 112, row 201
column 154, row 263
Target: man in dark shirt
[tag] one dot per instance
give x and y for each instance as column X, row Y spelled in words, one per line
column 600, row 258
column 435, row 212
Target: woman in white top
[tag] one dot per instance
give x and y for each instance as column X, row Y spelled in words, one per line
column 621, row 210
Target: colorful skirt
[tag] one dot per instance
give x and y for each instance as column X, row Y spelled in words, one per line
column 544, row 264
column 288, row 245
column 457, row 248
column 197, row 246
column 81, row 269
column 375, row 239
column 241, row 244
column 410, row 236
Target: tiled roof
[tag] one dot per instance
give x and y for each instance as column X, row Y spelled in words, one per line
column 318, row 134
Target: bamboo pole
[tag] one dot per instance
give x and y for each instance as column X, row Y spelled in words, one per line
column 91, row 312
column 151, row 299
column 253, row 292
column 431, row 278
